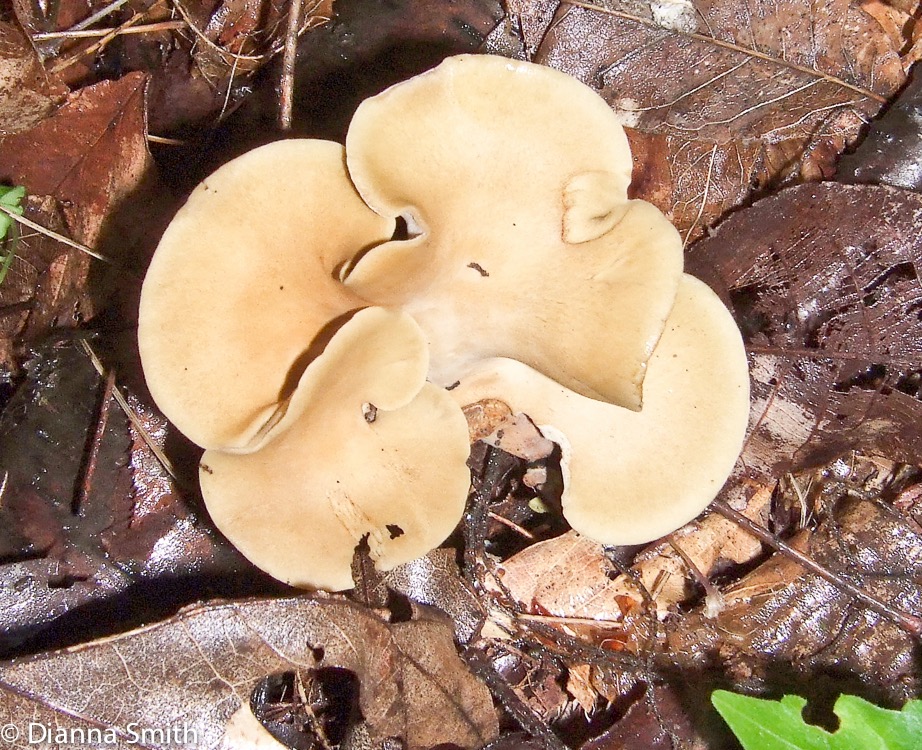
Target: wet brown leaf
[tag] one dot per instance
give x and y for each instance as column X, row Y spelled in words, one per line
column 780, row 621
column 655, row 722
column 730, row 99
column 824, row 282
column 71, row 537
column 891, row 153
column 194, row 672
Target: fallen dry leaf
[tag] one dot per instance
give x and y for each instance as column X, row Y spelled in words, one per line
column 91, row 155
column 740, row 99
column 824, row 282
column 191, row 674
column 45, row 288
column 27, row 94
column 571, row 578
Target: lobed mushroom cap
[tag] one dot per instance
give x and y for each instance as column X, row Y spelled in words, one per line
column 241, row 292
column 516, row 175
column 335, row 469
column 631, row 477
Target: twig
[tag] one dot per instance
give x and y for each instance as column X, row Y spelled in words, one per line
column 93, row 33
column 98, row 15
column 165, row 141
column 598, row 622
column 713, row 599
column 519, row 710
column 6, row 479
column 132, row 417
column 94, row 48
column 287, row 81
column 910, row 623
column 102, row 421
column 510, row 524
column 55, row 236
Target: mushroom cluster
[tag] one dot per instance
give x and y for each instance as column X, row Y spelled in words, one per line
column 323, row 362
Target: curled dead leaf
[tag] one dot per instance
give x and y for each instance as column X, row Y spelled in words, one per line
column 193, row 673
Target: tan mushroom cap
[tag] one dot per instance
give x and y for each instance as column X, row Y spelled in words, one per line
column 241, row 292
column 517, row 176
column 631, row 477
column 327, row 476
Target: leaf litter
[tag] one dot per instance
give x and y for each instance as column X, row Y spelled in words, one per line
column 578, row 644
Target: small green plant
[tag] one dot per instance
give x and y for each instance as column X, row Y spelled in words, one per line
column 779, row 725
column 10, row 200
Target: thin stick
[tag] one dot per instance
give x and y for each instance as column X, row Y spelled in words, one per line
column 102, row 422
column 132, row 417
column 93, row 33
column 910, row 623
column 101, row 13
column 511, row 524
column 94, row 48
column 287, row 81
column 713, row 599
column 519, row 710
column 165, row 141
column 55, row 236
column 598, row 622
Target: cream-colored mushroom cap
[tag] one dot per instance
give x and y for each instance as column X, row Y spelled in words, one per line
column 366, row 447
column 241, row 293
column 516, row 176
column 631, row 477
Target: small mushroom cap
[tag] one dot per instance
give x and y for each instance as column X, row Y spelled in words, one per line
column 517, row 176
column 366, row 447
column 241, row 292
column 631, row 477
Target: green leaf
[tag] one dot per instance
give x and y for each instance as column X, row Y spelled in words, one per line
column 10, row 199
column 778, row 725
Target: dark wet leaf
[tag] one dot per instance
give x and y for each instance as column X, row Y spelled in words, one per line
column 197, row 672
column 781, row 625
column 824, row 281
column 655, row 722
column 725, row 102
column 891, row 153
column 72, row 536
